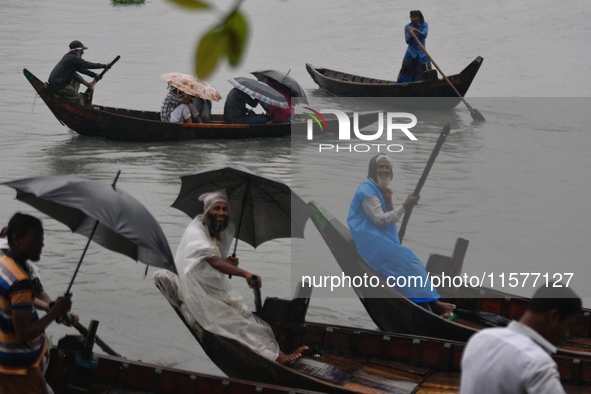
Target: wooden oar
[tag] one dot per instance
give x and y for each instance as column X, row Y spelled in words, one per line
column 476, row 115
column 254, row 282
column 417, row 191
column 82, row 330
column 90, row 92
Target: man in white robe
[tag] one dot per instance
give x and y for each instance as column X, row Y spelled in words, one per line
column 202, row 263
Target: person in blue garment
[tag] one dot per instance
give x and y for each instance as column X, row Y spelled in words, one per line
column 372, row 221
column 415, row 60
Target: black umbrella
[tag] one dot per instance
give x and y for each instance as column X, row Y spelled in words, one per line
column 260, row 91
column 110, row 217
column 263, row 208
column 284, row 79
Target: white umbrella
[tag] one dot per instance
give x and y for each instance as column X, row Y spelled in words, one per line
column 192, row 86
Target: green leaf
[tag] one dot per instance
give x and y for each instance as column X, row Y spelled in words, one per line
column 192, row 4
column 236, row 28
column 212, row 47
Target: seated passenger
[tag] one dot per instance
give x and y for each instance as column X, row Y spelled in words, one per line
column 185, row 112
column 235, row 110
column 372, row 221
column 278, row 114
column 203, row 106
column 203, row 263
column 172, row 100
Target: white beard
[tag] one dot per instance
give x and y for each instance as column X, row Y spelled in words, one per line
column 383, row 181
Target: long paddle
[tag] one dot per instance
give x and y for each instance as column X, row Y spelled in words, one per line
column 90, row 92
column 476, row 115
column 417, row 191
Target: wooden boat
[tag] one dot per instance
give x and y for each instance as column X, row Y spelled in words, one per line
column 393, row 313
column 70, row 371
column 145, row 126
column 346, row 360
column 340, row 359
column 343, row 84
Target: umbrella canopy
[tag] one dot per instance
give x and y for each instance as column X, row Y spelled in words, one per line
column 192, row 86
column 263, row 208
column 260, row 90
column 110, row 217
column 282, row 78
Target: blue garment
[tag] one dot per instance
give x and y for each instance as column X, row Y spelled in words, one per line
column 380, row 247
column 415, row 57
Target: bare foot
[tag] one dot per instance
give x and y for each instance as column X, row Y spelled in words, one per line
column 290, row 358
column 443, row 309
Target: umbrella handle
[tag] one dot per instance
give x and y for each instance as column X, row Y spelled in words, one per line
column 254, row 281
column 233, row 255
column 88, row 243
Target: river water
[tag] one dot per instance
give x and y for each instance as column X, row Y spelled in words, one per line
column 514, row 186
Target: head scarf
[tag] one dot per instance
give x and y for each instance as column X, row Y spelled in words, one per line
column 210, row 198
column 372, row 172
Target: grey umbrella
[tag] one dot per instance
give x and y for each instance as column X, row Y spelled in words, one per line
column 263, row 208
column 270, row 76
column 259, row 90
column 109, row 217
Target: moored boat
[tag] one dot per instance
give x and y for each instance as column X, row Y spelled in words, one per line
column 344, row 84
column 392, row 312
column 145, row 126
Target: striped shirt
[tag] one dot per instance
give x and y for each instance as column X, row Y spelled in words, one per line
column 16, row 293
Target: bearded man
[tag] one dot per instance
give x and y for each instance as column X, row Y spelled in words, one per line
column 372, row 221
column 202, row 262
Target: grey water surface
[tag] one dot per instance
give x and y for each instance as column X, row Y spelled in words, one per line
column 515, row 186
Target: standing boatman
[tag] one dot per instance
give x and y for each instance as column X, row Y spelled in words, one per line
column 415, row 60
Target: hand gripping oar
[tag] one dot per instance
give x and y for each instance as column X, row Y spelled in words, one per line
column 90, row 92
column 476, row 115
column 417, row 191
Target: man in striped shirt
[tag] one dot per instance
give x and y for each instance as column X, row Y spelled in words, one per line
column 22, row 342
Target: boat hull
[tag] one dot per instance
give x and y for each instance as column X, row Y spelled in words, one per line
column 431, row 94
column 393, row 313
column 145, row 126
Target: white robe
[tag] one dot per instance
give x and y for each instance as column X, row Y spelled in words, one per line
column 208, row 293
